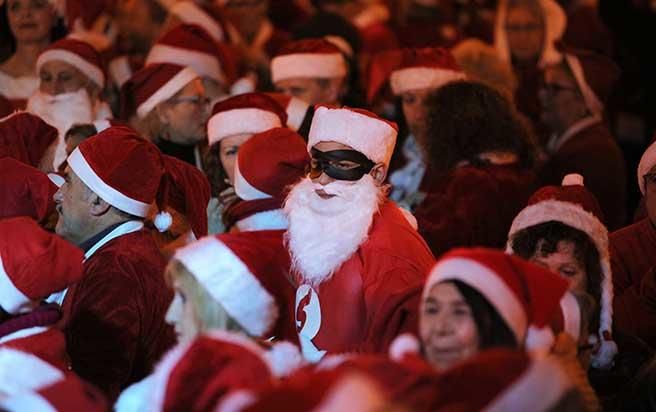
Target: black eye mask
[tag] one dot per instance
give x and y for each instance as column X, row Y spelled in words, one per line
column 327, row 162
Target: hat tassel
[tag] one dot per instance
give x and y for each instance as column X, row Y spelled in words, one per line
column 163, row 221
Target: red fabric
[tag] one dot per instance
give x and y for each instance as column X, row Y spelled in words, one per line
column 586, row 30
column 247, row 208
column 632, row 255
column 361, row 306
column 600, row 72
column 87, row 11
column 252, row 101
column 428, row 33
column 7, row 107
column 49, row 346
column 26, row 137
column 309, row 46
column 635, row 309
column 25, row 191
column 45, row 315
column 114, row 317
column 575, row 194
column 74, row 395
column 144, row 84
column 594, row 154
column 529, row 79
column 377, row 37
column 457, row 209
column 81, row 48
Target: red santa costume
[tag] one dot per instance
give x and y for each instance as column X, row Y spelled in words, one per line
column 206, row 17
column 574, row 206
column 25, row 191
column 587, row 147
column 114, row 317
column 33, row 265
column 16, row 90
column 65, row 109
column 25, row 137
column 354, row 251
column 91, row 22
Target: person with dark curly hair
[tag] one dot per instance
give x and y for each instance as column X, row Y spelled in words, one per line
column 480, row 167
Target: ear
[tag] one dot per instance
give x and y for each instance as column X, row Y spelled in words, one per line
column 98, row 206
column 379, row 173
column 162, row 113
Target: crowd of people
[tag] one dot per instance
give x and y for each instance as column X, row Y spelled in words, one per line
column 327, row 205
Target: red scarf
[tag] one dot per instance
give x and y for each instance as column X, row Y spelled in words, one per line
column 246, row 208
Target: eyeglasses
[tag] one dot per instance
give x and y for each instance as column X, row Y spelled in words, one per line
column 650, row 180
column 195, row 100
column 553, row 88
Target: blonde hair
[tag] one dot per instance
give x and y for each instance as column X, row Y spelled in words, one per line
column 210, row 313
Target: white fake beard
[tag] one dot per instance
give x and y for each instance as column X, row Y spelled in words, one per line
column 324, row 233
column 62, row 111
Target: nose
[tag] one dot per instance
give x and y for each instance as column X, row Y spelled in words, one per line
column 324, row 179
column 173, row 313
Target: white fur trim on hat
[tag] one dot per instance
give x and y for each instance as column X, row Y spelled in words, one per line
column 544, row 377
column 189, row 12
column 284, row 358
column 92, row 71
column 231, row 283
column 160, row 376
column 203, row 64
column 402, row 345
column 170, row 88
column 249, row 120
column 539, row 340
column 120, row 71
column 81, row 167
column 101, row 125
column 269, row 220
column 571, row 315
column 592, row 102
column 417, row 78
column 243, row 187
column 647, row 162
column 489, row 284
column 353, row 392
column 308, row 65
column 296, row 110
column 26, row 401
column 12, row 300
column 372, row 137
column 237, row 400
column 21, row 371
column 340, row 43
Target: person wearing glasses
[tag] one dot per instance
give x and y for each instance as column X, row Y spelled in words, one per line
column 358, row 266
column 573, row 95
column 167, row 104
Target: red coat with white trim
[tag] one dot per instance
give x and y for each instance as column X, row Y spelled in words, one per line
column 114, row 316
column 49, row 345
column 372, row 297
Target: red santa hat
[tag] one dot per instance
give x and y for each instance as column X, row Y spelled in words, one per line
column 427, row 68
column 25, row 137
column 526, row 296
column 237, row 270
column 647, row 162
column 33, row 264
column 308, row 58
column 190, row 45
column 102, row 125
column 504, row 381
column 125, row 170
column 189, row 193
column 152, row 85
column 595, row 76
column 568, row 318
column 295, row 108
column 555, row 23
column 90, row 21
column 204, row 16
column 24, row 372
column 360, row 129
column 77, row 53
column 573, row 205
column 270, row 162
column 247, row 113
column 25, row 191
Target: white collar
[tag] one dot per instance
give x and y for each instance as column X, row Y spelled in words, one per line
column 269, row 220
column 23, row 333
column 123, row 229
column 556, row 142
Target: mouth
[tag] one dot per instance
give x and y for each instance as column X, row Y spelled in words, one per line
column 324, row 195
column 28, row 25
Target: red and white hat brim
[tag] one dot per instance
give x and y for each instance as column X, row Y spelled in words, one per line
column 190, row 12
column 23, row 372
column 308, row 65
column 12, row 300
column 240, row 121
column 90, row 70
column 203, row 64
column 422, row 78
column 244, row 189
column 168, row 90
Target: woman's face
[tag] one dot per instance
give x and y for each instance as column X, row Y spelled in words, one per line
column 525, row 32
column 30, row 20
column 564, row 263
column 182, row 314
column 447, row 327
column 228, row 148
column 414, row 111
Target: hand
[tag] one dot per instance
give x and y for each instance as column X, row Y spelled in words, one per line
column 214, row 222
column 228, row 197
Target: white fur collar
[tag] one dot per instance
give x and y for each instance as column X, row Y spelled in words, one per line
column 269, row 220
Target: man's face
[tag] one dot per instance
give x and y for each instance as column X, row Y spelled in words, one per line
column 310, row 90
column 73, row 201
column 185, row 114
column 650, row 194
column 57, row 77
column 342, row 165
column 414, row 111
column 560, row 98
column 228, row 149
column 525, row 32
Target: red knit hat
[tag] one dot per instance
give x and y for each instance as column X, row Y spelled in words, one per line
column 573, row 205
column 151, row 86
column 33, row 264
column 190, row 45
column 526, row 296
column 241, row 271
column 205, row 16
column 308, row 58
column 123, row 169
column 25, row 137
column 296, row 109
column 595, row 75
column 77, row 53
column 500, row 380
column 189, row 193
column 268, row 163
column 360, row 129
column 247, row 113
column 25, row 191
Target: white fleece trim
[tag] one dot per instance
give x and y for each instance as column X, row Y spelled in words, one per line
column 21, row 371
column 269, row 220
column 308, row 65
column 296, row 110
column 544, row 377
column 202, row 63
column 489, row 284
column 12, row 300
column 244, row 189
column 189, row 12
column 249, row 120
column 592, row 102
column 237, row 400
column 647, row 161
column 372, row 137
column 83, row 170
column 23, row 333
column 231, row 283
column 571, row 315
column 162, row 373
column 27, row 401
column 90, row 70
column 240, row 340
column 417, row 78
column 120, row 71
column 168, row 90
column 353, row 392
